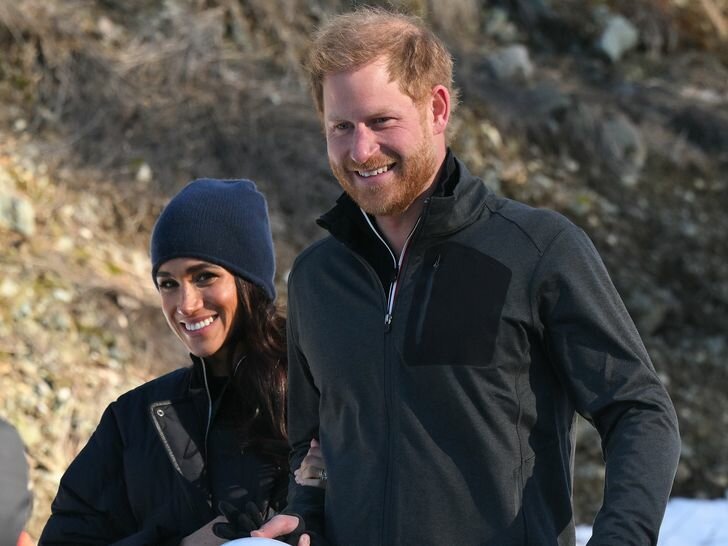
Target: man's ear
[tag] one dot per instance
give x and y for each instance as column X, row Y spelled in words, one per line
column 440, row 104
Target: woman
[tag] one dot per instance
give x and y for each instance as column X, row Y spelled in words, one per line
column 167, row 454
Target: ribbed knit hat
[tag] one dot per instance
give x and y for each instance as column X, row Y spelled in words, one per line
column 224, row 222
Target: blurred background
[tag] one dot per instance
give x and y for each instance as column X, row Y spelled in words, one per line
column 614, row 112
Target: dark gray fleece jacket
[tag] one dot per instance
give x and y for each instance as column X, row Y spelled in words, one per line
column 451, row 422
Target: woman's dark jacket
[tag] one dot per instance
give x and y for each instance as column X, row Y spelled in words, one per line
column 142, row 479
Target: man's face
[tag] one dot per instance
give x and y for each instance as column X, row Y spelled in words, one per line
column 380, row 142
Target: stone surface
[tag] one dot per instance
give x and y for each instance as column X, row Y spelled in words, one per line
column 618, row 37
column 17, row 214
column 510, row 62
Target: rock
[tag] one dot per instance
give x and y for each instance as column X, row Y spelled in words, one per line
column 606, row 142
column 622, row 148
column 509, row 63
column 144, row 174
column 109, row 31
column 706, row 127
column 618, row 37
column 492, row 134
column 17, row 214
column 8, row 288
column 499, row 27
column 62, row 295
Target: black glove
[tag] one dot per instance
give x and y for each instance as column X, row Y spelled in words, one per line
column 292, row 538
column 239, row 524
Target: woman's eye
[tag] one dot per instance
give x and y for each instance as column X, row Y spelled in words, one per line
column 166, row 284
column 205, row 277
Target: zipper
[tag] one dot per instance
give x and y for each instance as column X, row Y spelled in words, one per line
column 397, row 263
column 388, row 381
column 209, row 396
column 212, row 408
column 427, row 294
column 209, row 404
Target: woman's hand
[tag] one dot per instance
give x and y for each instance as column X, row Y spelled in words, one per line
column 282, row 525
column 313, row 469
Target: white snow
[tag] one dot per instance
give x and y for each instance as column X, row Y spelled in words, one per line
column 688, row 522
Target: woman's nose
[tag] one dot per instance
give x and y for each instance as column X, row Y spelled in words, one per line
column 189, row 299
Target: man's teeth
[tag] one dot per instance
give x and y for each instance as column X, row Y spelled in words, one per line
column 198, row 325
column 380, row 170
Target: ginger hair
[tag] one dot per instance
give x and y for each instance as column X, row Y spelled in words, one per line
column 415, row 57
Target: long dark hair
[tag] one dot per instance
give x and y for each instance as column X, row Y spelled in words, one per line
column 261, row 382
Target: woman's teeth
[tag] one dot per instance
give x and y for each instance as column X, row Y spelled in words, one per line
column 198, row 325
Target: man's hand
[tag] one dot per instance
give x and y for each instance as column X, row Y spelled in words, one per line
column 281, row 525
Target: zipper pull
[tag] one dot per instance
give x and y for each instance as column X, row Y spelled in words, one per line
column 387, row 322
column 437, row 262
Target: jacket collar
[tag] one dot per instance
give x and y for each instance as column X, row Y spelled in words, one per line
column 197, row 377
column 448, row 212
column 459, row 200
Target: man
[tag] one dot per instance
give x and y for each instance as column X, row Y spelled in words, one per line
column 442, row 338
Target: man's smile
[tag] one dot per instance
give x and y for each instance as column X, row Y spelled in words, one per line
column 374, row 172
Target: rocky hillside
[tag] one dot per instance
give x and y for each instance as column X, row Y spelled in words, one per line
column 613, row 112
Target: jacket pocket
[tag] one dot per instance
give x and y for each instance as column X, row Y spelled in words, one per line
column 456, row 308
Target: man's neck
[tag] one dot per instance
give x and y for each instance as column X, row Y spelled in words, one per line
column 397, row 228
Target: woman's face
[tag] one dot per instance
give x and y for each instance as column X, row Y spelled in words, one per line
column 200, row 303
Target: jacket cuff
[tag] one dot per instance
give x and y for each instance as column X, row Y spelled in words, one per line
column 307, row 504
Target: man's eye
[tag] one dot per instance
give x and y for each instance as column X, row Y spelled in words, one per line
column 343, row 126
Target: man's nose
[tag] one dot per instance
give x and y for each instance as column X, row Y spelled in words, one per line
column 363, row 145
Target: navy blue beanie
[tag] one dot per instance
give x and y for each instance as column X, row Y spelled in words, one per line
column 224, row 222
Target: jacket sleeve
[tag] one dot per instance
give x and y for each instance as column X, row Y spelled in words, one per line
column 303, row 425
column 92, row 506
column 15, row 499
column 597, row 352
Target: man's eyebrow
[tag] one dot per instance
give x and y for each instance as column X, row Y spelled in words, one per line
column 333, row 118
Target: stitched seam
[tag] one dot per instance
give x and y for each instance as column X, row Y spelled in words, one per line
column 167, row 447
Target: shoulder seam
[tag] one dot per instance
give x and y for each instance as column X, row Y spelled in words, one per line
column 525, row 232
column 537, row 266
column 305, row 252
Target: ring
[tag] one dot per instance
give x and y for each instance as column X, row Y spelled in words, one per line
column 322, row 475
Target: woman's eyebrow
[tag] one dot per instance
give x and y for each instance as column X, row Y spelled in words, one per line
column 191, row 269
